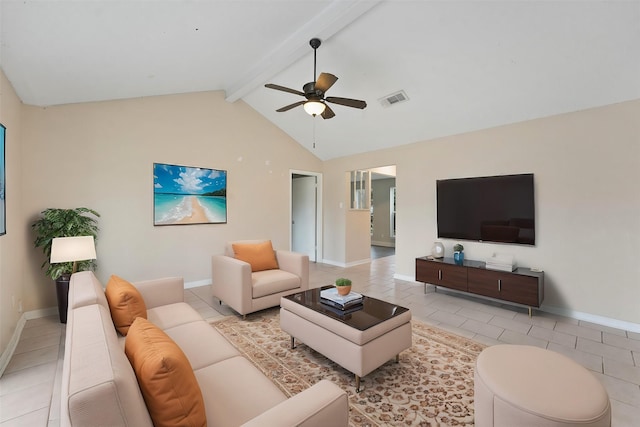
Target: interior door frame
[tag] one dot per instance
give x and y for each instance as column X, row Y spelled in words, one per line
column 318, row 216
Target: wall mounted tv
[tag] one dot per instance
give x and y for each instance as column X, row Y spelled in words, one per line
column 490, row 209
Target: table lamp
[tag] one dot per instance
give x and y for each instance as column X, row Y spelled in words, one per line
column 67, row 249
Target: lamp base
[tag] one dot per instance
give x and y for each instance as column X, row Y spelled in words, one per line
column 62, row 291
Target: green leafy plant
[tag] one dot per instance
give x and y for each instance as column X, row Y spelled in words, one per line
column 64, row 223
column 343, row 282
column 458, row 247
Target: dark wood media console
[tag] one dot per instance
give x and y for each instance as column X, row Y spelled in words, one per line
column 520, row 287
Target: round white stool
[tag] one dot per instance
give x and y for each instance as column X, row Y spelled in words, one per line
column 519, row 385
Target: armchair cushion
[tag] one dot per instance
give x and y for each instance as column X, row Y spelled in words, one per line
column 125, row 303
column 260, row 256
column 270, row 282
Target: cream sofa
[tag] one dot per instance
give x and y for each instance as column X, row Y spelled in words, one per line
column 99, row 386
column 233, row 282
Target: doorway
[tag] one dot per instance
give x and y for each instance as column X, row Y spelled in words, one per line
column 306, row 212
column 383, row 211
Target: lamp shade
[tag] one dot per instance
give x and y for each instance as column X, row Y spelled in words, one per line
column 67, row 249
column 314, row 107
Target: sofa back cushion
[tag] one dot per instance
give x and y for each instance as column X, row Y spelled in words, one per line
column 86, row 289
column 125, row 303
column 98, row 383
column 166, row 378
column 260, row 256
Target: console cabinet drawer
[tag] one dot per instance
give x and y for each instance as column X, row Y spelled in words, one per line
column 505, row 286
column 439, row 274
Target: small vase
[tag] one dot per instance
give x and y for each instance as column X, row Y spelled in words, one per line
column 343, row 290
column 458, row 257
column 437, row 250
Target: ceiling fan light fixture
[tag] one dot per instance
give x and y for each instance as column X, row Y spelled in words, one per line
column 314, row 108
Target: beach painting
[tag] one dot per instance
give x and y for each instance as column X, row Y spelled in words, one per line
column 188, row 195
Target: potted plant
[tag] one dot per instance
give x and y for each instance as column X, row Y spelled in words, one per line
column 64, row 223
column 458, row 254
column 343, row 286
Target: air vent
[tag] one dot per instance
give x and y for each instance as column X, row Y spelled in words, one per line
column 393, row 99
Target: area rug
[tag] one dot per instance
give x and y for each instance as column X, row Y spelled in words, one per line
column 432, row 385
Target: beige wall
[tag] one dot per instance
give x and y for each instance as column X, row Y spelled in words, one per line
column 101, row 155
column 13, row 244
column 587, row 168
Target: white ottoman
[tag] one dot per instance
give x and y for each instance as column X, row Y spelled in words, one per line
column 518, row 385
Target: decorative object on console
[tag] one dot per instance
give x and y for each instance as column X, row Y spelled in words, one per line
column 65, row 250
column 189, row 195
column 437, row 250
column 501, row 262
column 343, row 286
column 458, row 254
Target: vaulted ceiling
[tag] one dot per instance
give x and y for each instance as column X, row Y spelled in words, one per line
column 464, row 65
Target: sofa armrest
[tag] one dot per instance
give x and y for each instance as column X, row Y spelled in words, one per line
column 231, row 282
column 157, row 292
column 295, row 263
column 323, row 404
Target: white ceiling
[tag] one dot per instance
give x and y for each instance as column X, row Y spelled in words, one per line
column 465, row 65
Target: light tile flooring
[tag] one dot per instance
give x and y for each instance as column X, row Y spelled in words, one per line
column 29, row 388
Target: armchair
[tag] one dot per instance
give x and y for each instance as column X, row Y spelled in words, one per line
column 234, row 282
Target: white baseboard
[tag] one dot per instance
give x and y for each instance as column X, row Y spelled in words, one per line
column 593, row 318
column 13, row 343
column 197, row 283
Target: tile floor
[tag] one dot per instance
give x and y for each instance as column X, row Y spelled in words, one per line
column 29, row 387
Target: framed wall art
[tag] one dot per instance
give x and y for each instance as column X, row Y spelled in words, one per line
column 188, row 195
column 3, row 186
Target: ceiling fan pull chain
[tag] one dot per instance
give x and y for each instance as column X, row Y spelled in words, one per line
column 314, row 133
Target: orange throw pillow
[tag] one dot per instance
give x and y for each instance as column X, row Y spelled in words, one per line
column 261, row 256
column 125, row 303
column 168, row 384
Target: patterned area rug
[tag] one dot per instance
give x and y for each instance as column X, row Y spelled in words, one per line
column 432, row 385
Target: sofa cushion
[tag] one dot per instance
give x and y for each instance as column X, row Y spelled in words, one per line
column 125, row 303
column 171, row 315
column 202, row 344
column 235, row 391
column 260, row 256
column 270, row 282
column 167, row 381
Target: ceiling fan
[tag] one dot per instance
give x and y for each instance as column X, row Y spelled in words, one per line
column 314, row 92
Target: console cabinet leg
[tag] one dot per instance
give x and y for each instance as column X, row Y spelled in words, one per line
column 293, row 342
column 357, row 384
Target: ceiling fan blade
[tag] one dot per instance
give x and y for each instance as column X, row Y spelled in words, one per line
column 284, row 89
column 355, row 103
column 290, row 106
column 325, row 81
column 327, row 113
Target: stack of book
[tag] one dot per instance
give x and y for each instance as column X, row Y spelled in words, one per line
column 502, row 262
column 343, row 302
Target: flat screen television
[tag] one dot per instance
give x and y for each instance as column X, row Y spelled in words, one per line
column 489, row 209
